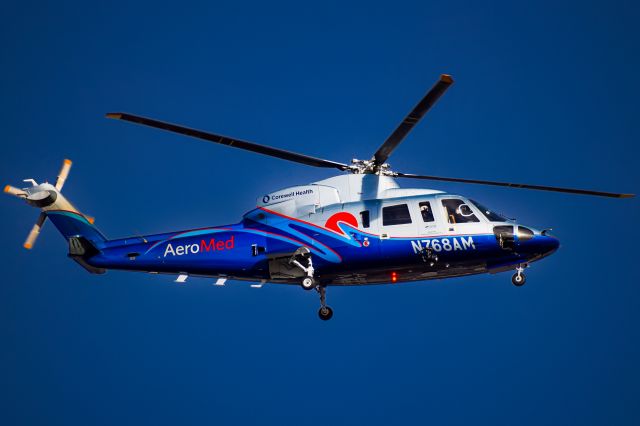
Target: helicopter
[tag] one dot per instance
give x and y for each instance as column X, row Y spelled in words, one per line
column 356, row 228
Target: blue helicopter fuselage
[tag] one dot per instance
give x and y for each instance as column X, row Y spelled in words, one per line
column 395, row 239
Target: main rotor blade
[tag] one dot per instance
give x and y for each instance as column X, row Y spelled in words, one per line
column 35, row 231
column 64, row 173
column 438, row 89
column 236, row 143
column 518, row 185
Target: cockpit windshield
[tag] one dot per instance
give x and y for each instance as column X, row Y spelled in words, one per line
column 489, row 214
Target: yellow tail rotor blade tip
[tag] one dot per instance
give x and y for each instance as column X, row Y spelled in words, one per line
column 27, row 246
column 115, row 115
column 7, row 188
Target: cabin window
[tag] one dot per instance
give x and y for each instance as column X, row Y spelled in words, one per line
column 489, row 214
column 364, row 218
column 396, row 215
column 426, row 212
column 457, row 211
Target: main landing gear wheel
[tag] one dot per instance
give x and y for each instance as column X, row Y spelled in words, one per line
column 518, row 279
column 308, row 283
column 302, row 259
column 325, row 313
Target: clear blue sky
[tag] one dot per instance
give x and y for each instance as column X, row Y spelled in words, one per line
column 545, row 93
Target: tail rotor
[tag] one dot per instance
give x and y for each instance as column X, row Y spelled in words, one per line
column 43, row 196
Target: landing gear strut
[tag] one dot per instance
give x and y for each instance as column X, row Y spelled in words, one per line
column 325, row 313
column 302, row 259
column 518, row 279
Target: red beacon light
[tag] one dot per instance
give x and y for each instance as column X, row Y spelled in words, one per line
column 394, row 277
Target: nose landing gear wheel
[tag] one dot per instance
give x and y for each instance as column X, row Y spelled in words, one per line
column 325, row 313
column 308, row 283
column 518, row 279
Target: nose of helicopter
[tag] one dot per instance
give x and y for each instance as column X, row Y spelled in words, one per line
column 542, row 245
column 549, row 244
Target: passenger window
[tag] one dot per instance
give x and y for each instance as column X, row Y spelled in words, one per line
column 458, row 212
column 396, row 215
column 364, row 218
column 426, row 212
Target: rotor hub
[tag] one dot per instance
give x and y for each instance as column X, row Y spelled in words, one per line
column 361, row 167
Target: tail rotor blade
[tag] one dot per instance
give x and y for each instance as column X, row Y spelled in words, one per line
column 11, row 190
column 64, row 173
column 35, row 231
